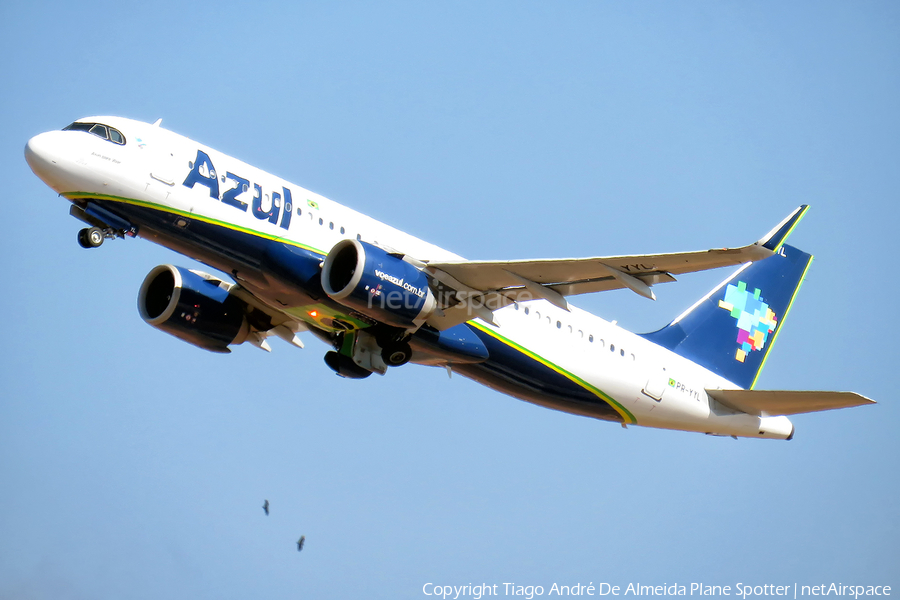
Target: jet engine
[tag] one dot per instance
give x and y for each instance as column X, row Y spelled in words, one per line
column 377, row 284
column 194, row 307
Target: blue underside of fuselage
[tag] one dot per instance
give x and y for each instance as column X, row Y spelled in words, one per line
column 290, row 275
column 513, row 372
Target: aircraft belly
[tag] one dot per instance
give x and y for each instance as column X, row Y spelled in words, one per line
column 542, row 396
column 533, row 379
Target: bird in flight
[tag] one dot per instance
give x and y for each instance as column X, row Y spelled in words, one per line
column 300, row 543
column 266, row 507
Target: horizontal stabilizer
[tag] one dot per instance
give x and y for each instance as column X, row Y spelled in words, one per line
column 773, row 403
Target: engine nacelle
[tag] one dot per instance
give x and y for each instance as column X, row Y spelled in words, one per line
column 381, row 286
column 194, row 307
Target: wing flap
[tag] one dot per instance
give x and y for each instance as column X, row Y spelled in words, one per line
column 605, row 284
column 779, row 402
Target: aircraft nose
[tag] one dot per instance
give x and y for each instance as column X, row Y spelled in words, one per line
column 51, row 156
column 39, row 154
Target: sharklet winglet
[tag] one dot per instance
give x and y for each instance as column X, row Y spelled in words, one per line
column 775, row 238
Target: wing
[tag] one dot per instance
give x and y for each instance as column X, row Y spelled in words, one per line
column 772, row 403
column 480, row 287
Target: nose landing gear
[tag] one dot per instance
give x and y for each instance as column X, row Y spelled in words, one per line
column 103, row 225
column 91, row 237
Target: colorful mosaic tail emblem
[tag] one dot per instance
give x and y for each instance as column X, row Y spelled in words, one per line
column 755, row 320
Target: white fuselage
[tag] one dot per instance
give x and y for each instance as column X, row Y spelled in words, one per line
column 645, row 384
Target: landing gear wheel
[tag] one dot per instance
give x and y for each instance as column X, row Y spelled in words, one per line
column 344, row 366
column 90, row 237
column 396, row 354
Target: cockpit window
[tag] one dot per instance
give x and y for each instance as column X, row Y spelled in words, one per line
column 76, row 126
column 102, row 131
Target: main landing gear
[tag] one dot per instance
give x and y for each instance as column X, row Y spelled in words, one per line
column 358, row 354
column 396, row 354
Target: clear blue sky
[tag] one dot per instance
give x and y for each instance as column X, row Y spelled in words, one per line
column 133, row 465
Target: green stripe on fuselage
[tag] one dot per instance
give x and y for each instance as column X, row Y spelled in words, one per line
column 621, row 410
column 189, row 215
column 626, row 415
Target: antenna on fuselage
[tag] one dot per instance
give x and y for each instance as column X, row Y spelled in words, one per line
column 158, row 121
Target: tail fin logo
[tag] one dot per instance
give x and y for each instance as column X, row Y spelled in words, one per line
column 755, row 320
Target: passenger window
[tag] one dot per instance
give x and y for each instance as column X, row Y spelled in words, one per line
column 526, row 310
column 558, row 325
column 612, row 347
column 358, row 237
column 342, row 231
column 591, row 338
column 331, row 225
column 321, row 221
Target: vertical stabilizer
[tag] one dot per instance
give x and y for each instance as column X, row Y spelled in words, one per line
column 731, row 330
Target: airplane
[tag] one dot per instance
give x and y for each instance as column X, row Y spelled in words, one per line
column 298, row 262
